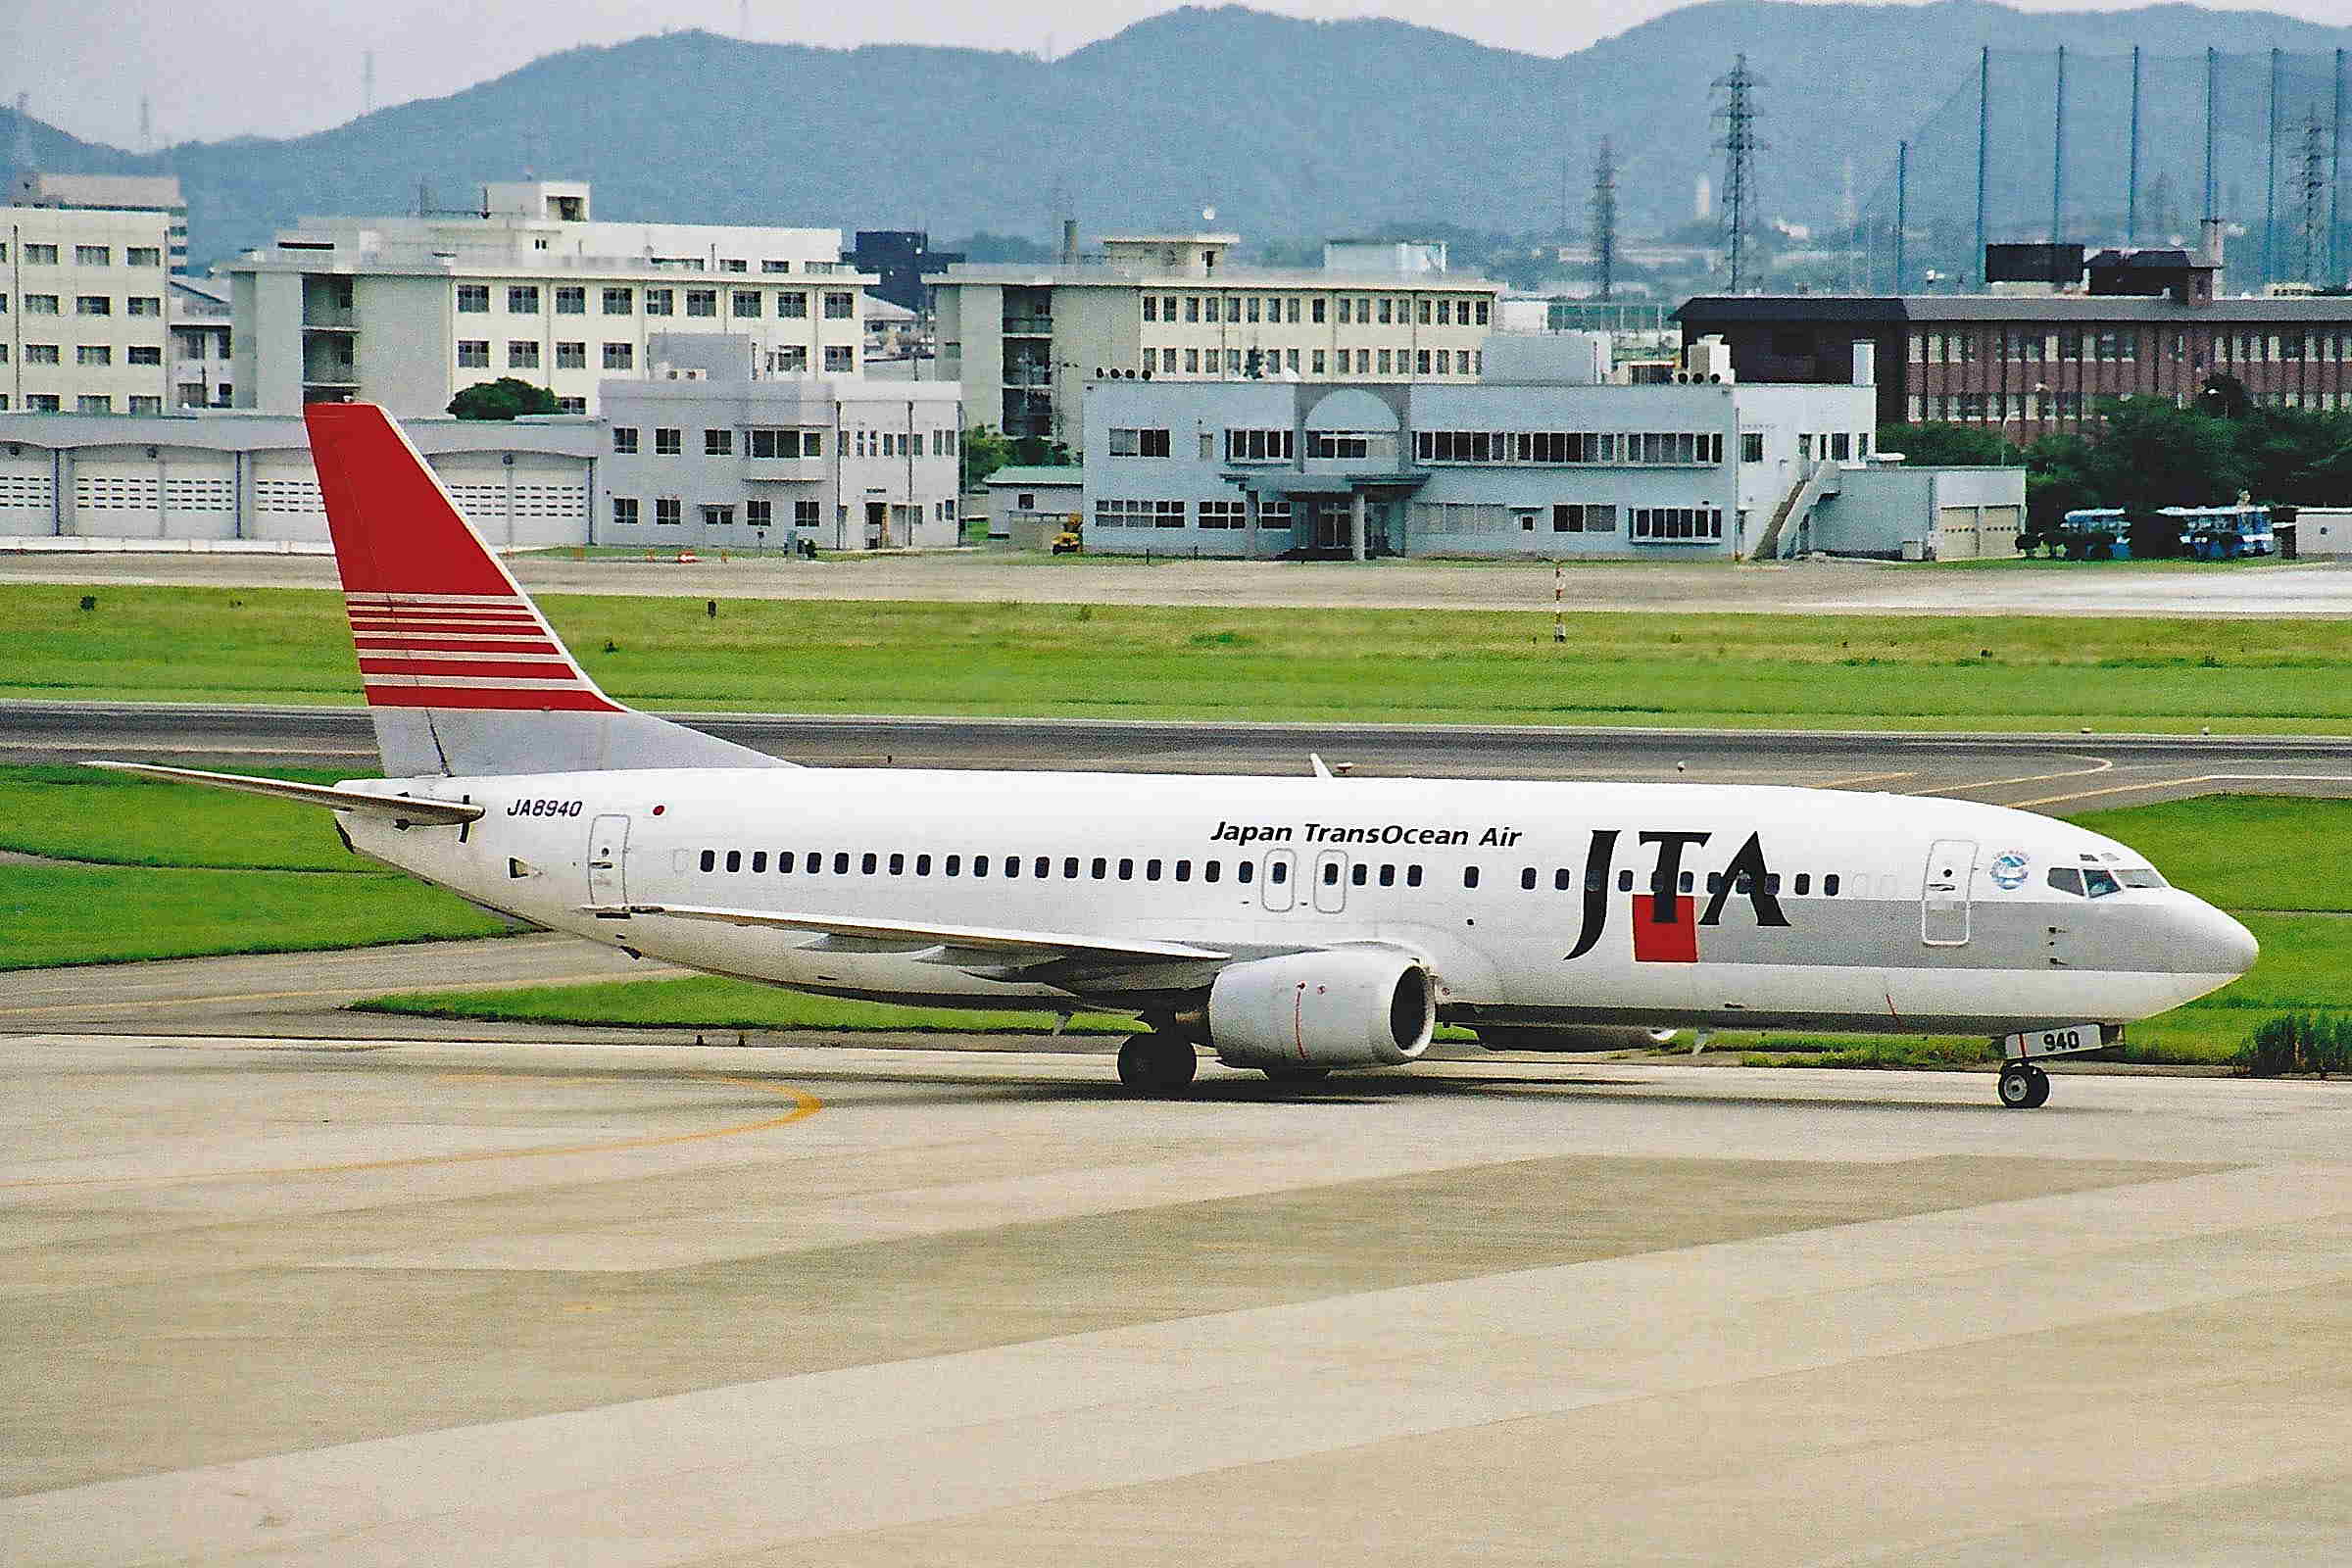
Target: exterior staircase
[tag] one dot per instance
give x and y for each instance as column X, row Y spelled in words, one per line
column 1779, row 537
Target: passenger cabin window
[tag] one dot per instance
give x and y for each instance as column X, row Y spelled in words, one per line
column 1244, row 871
column 710, row 859
column 734, row 860
column 1469, row 876
column 1829, row 885
column 1279, row 871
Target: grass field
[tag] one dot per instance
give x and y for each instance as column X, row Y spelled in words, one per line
column 166, row 871
column 1451, row 667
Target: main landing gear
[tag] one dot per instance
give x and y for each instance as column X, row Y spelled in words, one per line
column 1158, row 1063
column 2023, row 1086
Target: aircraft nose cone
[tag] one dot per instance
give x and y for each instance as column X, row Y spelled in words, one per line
column 2225, row 945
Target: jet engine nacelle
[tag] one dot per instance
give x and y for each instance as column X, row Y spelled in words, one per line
column 1345, row 1007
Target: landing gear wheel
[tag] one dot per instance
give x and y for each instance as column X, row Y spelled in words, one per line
column 1157, row 1064
column 2023, row 1086
column 1296, row 1075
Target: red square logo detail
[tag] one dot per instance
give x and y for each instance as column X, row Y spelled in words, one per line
column 1657, row 941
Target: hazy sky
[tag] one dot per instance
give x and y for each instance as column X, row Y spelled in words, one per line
column 211, row 69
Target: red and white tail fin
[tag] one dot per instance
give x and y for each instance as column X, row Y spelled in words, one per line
column 461, row 673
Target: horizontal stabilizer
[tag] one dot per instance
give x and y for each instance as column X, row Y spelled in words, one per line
column 916, row 937
column 394, row 807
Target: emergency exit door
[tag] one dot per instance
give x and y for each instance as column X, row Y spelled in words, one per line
column 1943, row 897
column 608, row 861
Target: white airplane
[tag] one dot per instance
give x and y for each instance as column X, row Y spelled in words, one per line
column 1291, row 925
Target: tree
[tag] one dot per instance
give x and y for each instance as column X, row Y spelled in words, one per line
column 2225, row 397
column 2150, row 454
column 1936, row 445
column 985, row 450
column 502, row 399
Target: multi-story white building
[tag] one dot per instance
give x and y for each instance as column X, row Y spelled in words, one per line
column 121, row 193
column 198, row 312
column 409, row 311
column 707, row 455
column 1549, row 454
column 1026, row 343
column 81, row 309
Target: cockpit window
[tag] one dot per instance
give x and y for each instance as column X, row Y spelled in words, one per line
column 2066, row 879
column 2140, row 876
column 2099, row 883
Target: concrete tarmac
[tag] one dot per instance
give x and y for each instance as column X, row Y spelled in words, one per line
column 389, row 1302
column 2314, row 588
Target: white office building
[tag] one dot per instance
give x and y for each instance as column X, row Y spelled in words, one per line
column 1551, row 453
column 82, row 326
column 409, row 311
column 707, row 455
column 1029, row 344
column 115, row 193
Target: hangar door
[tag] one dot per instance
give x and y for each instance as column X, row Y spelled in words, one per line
column 1998, row 533
column 1957, row 536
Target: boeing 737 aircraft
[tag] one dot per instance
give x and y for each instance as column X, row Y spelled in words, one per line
column 1291, row 925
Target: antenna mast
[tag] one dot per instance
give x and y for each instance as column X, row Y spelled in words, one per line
column 1739, row 145
column 1604, row 219
column 2313, row 229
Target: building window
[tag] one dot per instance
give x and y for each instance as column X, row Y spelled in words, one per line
column 1319, row 361
column 142, row 256
column 759, row 514
column 1751, row 446
column 1576, row 518
column 718, row 516
column 621, row 356
column 1675, row 525
column 625, row 511
column 93, row 256
column 474, row 299
column 702, row 302
column 40, row 305
column 791, row 359
column 571, row 356
column 719, row 443
column 1259, row 446
column 840, row 357
column 571, row 299
column 93, row 304
column 840, row 307
column 523, row 299
column 1224, row 514
column 473, row 353
column 1151, row 307
column 40, row 354
column 142, row 305
column 747, row 302
column 144, row 354
column 792, row 306
column 775, row 267
column 804, row 514
column 624, row 439
column 660, row 302
column 40, row 402
column 1139, row 513
column 668, row 511
column 146, row 405
column 619, row 301
column 1192, row 307
column 1139, row 443
column 523, row 353
column 94, row 402
column 94, row 353
column 40, row 255
column 571, row 405
column 667, row 442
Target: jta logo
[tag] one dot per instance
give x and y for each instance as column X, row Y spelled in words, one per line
column 1665, row 919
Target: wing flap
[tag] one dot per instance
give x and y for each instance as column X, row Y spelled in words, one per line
column 959, row 945
column 395, row 807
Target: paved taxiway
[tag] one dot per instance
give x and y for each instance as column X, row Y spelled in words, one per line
column 505, row 1304
column 1808, row 588
column 2049, row 773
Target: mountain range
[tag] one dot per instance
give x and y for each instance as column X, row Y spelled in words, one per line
column 1288, row 127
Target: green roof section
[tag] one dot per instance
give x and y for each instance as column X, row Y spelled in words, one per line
column 1066, row 473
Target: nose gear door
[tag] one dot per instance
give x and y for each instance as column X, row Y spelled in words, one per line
column 608, row 860
column 1943, row 897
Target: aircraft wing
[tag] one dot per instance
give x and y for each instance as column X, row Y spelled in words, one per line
column 958, row 946
column 396, row 808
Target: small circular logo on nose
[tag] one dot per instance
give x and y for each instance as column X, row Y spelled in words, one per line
column 2008, row 869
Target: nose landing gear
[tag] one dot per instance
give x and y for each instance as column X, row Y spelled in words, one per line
column 2023, row 1086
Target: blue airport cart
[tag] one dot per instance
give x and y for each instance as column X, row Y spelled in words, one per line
column 2224, row 533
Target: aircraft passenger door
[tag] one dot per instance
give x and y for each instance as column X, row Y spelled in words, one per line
column 1331, row 881
column 1274, row 879
column 608, row 860
column 1943, row 897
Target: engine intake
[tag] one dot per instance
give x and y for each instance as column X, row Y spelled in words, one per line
column 1345, row 1007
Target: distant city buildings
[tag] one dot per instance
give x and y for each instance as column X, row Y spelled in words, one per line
column 1029, row 343
column 408, row 310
